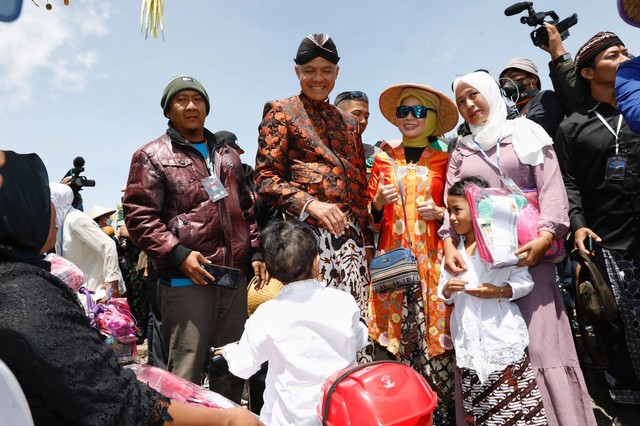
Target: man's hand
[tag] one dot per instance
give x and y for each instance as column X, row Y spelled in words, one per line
column 428, row 210
column 555, row 47
column 191, row 268
column 260, row 271
column 330, row 216
column 386, row 194
column 580, row 238
column 453, row 262
column 454, row 285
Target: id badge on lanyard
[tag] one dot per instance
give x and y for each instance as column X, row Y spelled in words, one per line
column 212, row 183
column 506, row 180
column 615, row 168
column 616, row 164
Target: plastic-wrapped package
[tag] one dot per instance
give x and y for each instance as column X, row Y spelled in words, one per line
column 115, row 321
column 68, row 272
column 179, row 389
column 503, row 221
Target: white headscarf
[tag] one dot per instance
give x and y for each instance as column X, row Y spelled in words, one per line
column 528, row 138
column 61, row 197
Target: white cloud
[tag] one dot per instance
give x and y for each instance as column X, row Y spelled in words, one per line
column 87, row 59
column 93, row 20
column 48, row 46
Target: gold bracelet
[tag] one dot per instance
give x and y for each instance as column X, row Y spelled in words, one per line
column 549, row 239
column 500, row 297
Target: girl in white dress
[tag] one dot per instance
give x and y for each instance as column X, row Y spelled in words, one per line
column 488, row 330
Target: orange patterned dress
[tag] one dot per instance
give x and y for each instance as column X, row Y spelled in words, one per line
column 414, row 327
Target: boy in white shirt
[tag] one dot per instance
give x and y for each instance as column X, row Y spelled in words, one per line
column 488, row 330
column 307, row 333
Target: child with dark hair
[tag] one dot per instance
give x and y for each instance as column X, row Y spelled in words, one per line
column 307, row 333
column 488, row 330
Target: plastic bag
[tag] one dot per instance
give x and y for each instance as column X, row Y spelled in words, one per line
column 68, row 272
column 179, row 389
column 503, row 221
column 115, row 321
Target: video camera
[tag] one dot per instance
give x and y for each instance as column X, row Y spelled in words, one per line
column 77, row 181
column 539, row 35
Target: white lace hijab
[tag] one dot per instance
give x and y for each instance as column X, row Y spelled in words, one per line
column 528, row 138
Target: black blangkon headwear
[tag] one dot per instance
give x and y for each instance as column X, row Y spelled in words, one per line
column 317, row 45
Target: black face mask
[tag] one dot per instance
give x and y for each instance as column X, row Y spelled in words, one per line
column 514, row 90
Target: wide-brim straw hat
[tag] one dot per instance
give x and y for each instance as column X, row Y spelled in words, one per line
column 447, row 113
column 256, row 297
column 97, row 211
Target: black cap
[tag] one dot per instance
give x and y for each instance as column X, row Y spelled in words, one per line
column 229, row 138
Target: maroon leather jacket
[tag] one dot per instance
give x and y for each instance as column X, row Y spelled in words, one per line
column 168, row 213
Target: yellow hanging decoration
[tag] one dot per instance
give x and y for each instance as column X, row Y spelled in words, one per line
column 151, row 17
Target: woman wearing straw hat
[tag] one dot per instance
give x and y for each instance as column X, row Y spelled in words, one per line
column 413, row 325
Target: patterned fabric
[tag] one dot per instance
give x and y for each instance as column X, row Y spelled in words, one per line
column 623, row 270
column 311, row 151
column 389, row 312
column 508, row 397
column 343, row 266
column 414, row 325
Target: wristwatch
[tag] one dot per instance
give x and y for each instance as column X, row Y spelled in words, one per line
column 562, row 58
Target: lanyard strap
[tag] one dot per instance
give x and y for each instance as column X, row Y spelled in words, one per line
column 496, row 163
column 404, row 209
column 209, row 163
column 617, row 132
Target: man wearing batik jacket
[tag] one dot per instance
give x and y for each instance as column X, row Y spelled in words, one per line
column 310, row 165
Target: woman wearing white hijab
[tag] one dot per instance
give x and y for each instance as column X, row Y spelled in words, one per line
column 81, row 241
column 521, row 150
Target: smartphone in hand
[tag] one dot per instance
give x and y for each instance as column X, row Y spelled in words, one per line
column 225, row 276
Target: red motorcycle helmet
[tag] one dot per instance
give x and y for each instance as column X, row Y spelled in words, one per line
column 380, row 393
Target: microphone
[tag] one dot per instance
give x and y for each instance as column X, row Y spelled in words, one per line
column 78, row 162
column 517, row 8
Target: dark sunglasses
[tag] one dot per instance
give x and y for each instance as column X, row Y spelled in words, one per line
column 352, row 95
column 418, row 111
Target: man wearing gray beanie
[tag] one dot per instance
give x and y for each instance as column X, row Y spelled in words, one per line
column 187, row 206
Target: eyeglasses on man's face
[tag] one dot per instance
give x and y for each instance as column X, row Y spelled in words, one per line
column 354, row 95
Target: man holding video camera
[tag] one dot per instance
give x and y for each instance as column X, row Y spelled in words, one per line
column 187, row 206
column 520, row 79
column 521, row 84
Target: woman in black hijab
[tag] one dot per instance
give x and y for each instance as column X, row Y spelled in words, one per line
column 23, row 228
column 68, row 375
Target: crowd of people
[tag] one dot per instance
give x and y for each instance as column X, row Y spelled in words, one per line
column 496, row 345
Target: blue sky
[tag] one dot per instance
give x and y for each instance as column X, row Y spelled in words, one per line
column 83, row 81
